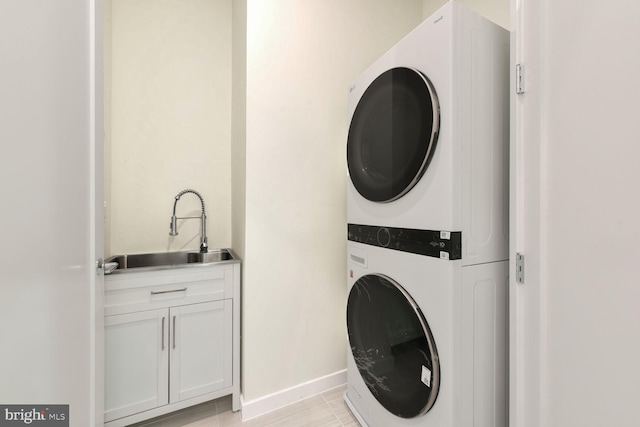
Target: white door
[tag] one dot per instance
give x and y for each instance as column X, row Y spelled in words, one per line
column 575, row 319
column 50, row 187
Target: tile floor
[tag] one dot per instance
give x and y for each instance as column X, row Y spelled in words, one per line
column 324, row 410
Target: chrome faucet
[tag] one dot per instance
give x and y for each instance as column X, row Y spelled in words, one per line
column 173, row 231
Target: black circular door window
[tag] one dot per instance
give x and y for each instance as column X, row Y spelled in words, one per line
column 392, row 346
column 393, row 134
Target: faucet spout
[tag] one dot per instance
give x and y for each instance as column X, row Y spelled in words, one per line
column 173, row 227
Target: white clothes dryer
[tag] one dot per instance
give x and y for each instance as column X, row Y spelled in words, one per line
column 428, row 340
column 428, row 136
column 427, row 207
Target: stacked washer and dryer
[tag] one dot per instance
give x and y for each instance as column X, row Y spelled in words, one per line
column 427, row 218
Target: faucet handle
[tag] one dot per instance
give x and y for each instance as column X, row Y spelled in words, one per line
column 173, row 227
column 204, row 247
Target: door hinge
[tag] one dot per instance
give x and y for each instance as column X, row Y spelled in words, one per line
column 519, row 79
column 519, row 268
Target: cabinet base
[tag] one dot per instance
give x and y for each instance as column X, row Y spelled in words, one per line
column 172, row 407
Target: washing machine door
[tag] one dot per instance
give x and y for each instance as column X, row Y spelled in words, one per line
column 392, row 346
column 393, row 134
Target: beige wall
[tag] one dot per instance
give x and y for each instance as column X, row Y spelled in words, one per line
column 238, row 125
column 301, row 57
column 170, row 122
column 107, row 125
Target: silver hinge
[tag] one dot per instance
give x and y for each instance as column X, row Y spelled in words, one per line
column 519, row 79
column 519, row 268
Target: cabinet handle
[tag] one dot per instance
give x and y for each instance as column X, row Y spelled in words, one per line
column 168, row 292
column 174, row 332
column 163, row 319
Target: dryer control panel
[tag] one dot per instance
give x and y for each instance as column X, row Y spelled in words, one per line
column 434, row 243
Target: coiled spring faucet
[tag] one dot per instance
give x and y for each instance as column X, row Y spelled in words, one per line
column 173, row 231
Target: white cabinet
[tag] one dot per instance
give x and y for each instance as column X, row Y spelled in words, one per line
column 171, row 340
column 200, row 349
column 136, row 362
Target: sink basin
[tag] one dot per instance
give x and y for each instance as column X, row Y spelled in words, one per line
column 154, row 260
column 207, row 257
column 170, row 259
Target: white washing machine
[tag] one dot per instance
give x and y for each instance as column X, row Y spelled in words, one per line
column 428, row 136
column 428, row 340
column 427, row 210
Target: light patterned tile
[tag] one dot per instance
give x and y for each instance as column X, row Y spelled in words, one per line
column 325, row 410
column 335, row 393
column 342, row 411
column 293, row 413
column 279, row 415
column 223, row 404
column 182, row 418
column 318, row 416
column 230, row 419
column 206, row 422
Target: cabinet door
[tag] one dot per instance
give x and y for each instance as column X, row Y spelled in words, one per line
column 136, row 362
column 201, row 349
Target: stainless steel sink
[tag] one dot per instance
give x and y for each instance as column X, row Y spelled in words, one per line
column 170, row 259
column 209, row 256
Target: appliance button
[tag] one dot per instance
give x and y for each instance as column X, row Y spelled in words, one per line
column 384, row 237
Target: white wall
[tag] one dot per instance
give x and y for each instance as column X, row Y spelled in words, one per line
column 579, row 309
column 170, row 122
column 301, row 57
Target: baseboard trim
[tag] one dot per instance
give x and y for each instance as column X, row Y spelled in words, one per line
column 271, row 402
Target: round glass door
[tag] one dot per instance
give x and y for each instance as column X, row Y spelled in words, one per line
column 393, row 134
column 392, row 346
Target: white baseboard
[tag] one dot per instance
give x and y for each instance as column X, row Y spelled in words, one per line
column 271, row 402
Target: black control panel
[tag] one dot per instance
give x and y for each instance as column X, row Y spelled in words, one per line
column 438, row 244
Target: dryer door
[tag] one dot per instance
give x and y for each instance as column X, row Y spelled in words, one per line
column 392, row 346
column 393, row 134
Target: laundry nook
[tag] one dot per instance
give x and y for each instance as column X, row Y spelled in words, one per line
column 319, row 213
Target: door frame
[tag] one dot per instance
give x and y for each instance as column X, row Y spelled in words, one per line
column 96, row 70
column 526, row 299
